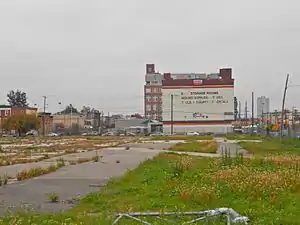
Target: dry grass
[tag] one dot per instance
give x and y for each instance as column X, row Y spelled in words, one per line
column 29, row 150
column 204, row 147
column 38, row 171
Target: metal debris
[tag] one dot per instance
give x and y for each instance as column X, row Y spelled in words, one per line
column 232, row 216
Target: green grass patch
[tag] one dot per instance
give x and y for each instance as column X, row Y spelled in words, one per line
column 182, row 137
column 204, row 147
column 244, row 137
column 273, row 146
column 266, row 192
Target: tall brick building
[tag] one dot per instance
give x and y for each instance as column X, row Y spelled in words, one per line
column 154, row 84
column 152, row 93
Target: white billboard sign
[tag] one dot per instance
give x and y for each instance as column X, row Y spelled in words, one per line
column 199, row 104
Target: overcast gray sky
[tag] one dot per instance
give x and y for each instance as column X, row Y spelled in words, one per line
column 93, row 52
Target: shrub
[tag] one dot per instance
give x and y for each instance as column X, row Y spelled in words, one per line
column 73, row 162
column 83, row 160
column 60, row 162
column 53, row 197
column 4, row 180
column 35, row 172
column 52, row 168
column 96, row 157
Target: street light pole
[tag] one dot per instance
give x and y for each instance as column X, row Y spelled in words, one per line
column 283, row 103
column 44, row 131
column 172, row 113
column 252, row 119
column 71, row 118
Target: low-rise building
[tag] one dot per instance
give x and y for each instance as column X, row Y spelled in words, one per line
column 7, row 111
column 71, row 123
column 46, row 126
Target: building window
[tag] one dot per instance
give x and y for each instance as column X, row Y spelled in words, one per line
column 6, row 112
column 148, row 98
column 148, row 90
column 148, row 107
column 155, row 98
column 154, row 107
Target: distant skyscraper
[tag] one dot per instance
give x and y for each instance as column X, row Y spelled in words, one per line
column 263, row 105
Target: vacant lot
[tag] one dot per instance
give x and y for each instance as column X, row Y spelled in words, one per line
column 273, row 146
column 205, row 147
column 24, row 158
column 266, row 192
column 183, row 137
column 244, row 137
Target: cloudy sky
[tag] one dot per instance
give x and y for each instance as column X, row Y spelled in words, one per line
column 93, row 52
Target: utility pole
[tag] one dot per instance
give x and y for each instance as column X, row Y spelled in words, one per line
column 45, row 102
column 294, row 113
column 108, row 120
column 102, row 116
column 246, row 111
column 172, row 113
column 252, row 119
column 99, row 121
column 71, row 118
column 283, row 103
column 295, row 121
column 240, row 109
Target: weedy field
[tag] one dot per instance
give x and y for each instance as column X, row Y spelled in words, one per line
column 204, row 147
column 244, row 137
column 272, row 146
column 182, row 137
column 266, row 191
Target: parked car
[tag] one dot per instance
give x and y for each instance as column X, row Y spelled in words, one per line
column 192, row 133
column 157, row 134
column 130, row 134
column 108, row 134
column 8, row 135
column 31, row 133
column 53, row 135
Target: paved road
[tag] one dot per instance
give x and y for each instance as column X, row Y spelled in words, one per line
column 70, row 181
column 229, row 147
column 12, row 170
